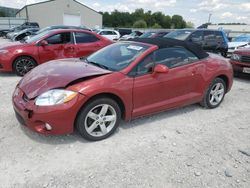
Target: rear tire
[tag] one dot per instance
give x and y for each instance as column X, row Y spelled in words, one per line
column 23, row 65
column 214, row 94
column 98, row 119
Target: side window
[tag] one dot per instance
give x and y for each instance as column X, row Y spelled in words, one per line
column 219, row 37
column 61, row 38
column 209, row 35
column 174, row 57
column 85, row 38
column 145, row 66
column 109, row 32
column 103, row 33
column 196, row 36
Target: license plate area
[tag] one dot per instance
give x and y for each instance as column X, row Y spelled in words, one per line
column 246, row 70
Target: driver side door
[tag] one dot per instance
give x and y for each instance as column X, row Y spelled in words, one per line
column 155, row 92
column 59, row 46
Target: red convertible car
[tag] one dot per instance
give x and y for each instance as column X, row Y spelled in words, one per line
column 49, row 45
column 125, row 80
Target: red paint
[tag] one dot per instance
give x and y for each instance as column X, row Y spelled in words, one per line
column 42, row 54
column 141, row 95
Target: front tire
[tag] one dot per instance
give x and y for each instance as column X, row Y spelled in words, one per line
column 23, row 65
column 214, row 94
column 98, row 119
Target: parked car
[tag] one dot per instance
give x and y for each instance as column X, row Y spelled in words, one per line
column 3, row 32
column 132, row 35
column 124, row 31
column 125, row 80
column 148, row 34
column 240, row 60
column 20, row 27
column 211, row 40
column 53, row 27
column 160, row 34
column 49, row 45
column 242, row 41
column 22, row 34
column 109, row 34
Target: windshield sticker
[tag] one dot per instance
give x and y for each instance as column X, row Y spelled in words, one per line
column 132, row 47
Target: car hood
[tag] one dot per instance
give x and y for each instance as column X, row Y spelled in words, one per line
column 11, row 45
column 57, row 74
column 243, row 51
column 236, row 44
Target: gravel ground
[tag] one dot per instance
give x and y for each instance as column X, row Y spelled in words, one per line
column 187, row 147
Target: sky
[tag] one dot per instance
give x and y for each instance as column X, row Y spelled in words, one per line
column 196, row 11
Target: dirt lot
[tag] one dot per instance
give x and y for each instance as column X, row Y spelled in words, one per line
column 188, row 147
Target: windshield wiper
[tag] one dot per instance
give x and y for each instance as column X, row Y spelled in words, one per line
column 96, row 64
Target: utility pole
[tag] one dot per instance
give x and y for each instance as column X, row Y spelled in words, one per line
column 26, row 10
column 209, row 17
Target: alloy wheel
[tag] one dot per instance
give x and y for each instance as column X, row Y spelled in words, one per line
column 24, row 65
column 216, row 94
column 100, row 120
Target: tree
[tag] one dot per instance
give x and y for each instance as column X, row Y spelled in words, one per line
column 189, row 25
column 178, row 22
column 138, row 14
column 156, row 26
column 156, row 19
column 167, row 22
column 140, row 24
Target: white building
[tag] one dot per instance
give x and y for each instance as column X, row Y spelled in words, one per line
column 61, row 12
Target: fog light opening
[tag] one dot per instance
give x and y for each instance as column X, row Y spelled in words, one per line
column 48, row 127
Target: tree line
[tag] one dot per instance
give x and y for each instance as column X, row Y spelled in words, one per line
column 141, row 19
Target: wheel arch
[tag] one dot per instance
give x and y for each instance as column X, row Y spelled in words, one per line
column 113, row 96
column 225, row 79
column 22, row 55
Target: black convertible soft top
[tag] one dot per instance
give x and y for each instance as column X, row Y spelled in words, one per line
column 167, row 43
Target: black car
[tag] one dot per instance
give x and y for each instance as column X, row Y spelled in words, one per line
column 25, row 25
column 124, row 31
column 160, row 34
column 211, row 40
column 24, row 33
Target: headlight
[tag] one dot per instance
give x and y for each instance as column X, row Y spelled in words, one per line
column 235, row 57
column 54, row 97
column 3, row 51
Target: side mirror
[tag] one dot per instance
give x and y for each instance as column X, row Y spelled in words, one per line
column 160, row 68
column 44, row 43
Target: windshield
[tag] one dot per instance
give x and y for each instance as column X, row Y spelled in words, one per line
column 242, row 39
column 37, row 37
column 180, row 34
column 42, row 30
column 117, row 56
column 147, row 35
column 133, row 34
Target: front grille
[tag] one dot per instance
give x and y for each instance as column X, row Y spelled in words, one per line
column 245, row 59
